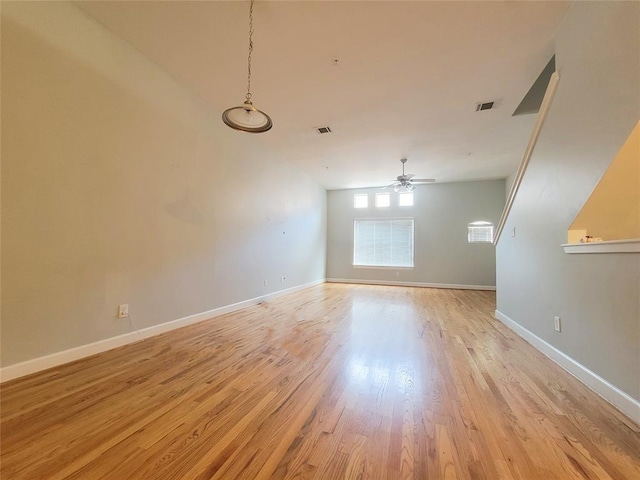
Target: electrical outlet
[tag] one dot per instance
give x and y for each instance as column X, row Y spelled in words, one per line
column 557, row 326
column 123, row 310
column 266, row 282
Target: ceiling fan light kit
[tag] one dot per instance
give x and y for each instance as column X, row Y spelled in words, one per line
column 405, row 182
column 246, row 117
column 407, row 187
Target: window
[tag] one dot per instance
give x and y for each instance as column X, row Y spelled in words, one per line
column 360, row 200
column 405, row 199
column 383, row 243
column 480, row 232
column 383, row 200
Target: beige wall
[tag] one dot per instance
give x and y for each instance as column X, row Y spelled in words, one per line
column 612, row 212
column 596, row 105
column 120, row 186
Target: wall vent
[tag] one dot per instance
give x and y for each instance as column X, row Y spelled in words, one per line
column 485, row 106
column 322, row 130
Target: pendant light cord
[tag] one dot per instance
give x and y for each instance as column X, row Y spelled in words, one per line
column 250, row 51
column 246, row 117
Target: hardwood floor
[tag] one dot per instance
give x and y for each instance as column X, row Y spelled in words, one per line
column 336, row 381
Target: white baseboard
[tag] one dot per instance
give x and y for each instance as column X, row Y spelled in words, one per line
column 621, row 400
column 452, row 286
column 55, row 359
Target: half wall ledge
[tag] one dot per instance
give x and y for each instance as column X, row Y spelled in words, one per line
column 610, row 246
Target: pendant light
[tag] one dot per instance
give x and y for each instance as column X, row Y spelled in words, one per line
column 246, row 117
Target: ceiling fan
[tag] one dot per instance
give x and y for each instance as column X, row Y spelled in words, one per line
column 406, row 182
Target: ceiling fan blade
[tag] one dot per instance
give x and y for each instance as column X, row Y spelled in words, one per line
column 409, row 176
column 423, row 180
column 391, row 185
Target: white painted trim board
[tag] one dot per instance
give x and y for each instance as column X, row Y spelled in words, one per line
column 28, row 367
column 392, row 283
column 611, row 246
column 612, row 394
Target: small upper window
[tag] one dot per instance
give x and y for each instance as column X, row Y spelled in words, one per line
column 405, row 199
column 480, row 232
column 360, row 200
column 383, row 200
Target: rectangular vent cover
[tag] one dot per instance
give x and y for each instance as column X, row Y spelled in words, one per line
column 484, row 106
column 322, row 130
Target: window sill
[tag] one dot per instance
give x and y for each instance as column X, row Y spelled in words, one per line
column 611, row 246
column 382, row 267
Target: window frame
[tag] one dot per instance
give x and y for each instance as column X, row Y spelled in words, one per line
column 477, row 225
column 360, row 195
column 380, row 195
column 406, row 195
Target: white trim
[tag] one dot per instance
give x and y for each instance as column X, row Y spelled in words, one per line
column 619, row 399
column 55, row 359
column 540, row 118
column 610, row 246
column 451, row 286
column 381, row 267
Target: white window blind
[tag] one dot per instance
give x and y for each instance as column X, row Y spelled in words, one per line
column 480, row 232
column 383, row 243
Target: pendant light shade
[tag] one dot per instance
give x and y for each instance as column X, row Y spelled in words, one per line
column 246, row 117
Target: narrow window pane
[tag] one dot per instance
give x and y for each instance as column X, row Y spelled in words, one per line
column 360, row 200
column 383, row 200
column 402, row 248
column 405, row 199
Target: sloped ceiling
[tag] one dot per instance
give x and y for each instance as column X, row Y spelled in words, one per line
column 406, row 85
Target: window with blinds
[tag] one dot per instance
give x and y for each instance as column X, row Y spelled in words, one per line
column 383, row 242
column 480, row 232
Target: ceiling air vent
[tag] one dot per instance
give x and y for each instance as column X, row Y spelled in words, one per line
column 484, row 106
column 322, row 130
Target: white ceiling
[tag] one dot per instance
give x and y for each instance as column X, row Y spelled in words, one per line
column 409, row 77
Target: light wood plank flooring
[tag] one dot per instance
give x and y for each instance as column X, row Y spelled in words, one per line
column 336, row 381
